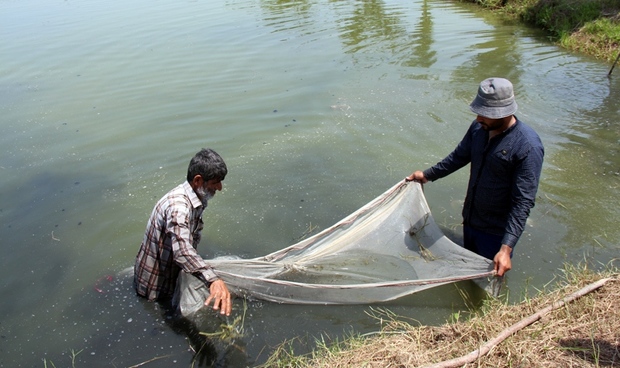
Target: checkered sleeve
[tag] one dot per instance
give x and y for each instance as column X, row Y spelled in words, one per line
column 184, row 229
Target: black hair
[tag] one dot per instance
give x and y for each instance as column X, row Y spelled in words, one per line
column 208, row 164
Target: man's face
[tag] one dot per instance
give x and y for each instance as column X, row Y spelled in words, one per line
column 489, row 124
column 208, row 189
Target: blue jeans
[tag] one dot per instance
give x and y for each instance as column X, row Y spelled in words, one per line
column 479, row 242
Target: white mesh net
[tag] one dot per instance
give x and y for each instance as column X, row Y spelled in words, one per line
column 387, row 249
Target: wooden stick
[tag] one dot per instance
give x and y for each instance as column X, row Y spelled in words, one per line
column 614, row 64
column 150, row 360
column 484, row 349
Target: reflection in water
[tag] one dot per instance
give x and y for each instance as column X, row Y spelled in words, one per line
column 371, row 24
column 422, row 41
column 495, row 55
column 207, row 342
column 285, row 15
column 93, row 135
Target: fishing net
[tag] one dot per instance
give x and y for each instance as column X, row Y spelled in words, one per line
column 387, row 249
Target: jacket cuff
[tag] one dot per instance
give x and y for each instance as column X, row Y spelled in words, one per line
column 428, row 174
column 510, row 240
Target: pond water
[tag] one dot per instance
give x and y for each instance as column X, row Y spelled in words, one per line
column 316, row 106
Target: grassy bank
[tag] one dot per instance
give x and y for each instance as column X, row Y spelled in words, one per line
column 587, row 26
column 580, row 333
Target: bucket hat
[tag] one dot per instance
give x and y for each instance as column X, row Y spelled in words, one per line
column 495, row 99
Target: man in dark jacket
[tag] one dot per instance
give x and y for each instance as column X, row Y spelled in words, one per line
column 506, row 158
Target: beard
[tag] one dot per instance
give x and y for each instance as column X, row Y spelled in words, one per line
column 204, row 195
column 490, row 127
column 495, row 124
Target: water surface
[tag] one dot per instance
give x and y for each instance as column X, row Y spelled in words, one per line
column 316, row 106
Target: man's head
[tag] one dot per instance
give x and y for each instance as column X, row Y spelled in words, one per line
column 495, row 99
column 205, row 173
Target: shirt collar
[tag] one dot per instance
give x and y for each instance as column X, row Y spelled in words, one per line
column 510, row 129
column 193, row 198
column 513, row 127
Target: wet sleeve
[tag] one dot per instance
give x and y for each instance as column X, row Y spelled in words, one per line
column 525, row 186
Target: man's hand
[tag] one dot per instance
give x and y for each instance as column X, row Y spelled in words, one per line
column 221, row 297
column 417, row 176
column 502, row 260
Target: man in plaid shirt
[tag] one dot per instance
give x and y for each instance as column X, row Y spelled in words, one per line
column 173, row 233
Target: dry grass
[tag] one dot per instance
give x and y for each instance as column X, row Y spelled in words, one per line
column 583, row 333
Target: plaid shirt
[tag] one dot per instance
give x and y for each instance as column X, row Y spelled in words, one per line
column 503, row 180
column 169, row 245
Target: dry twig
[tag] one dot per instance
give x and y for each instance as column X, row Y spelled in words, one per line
column 484, row 349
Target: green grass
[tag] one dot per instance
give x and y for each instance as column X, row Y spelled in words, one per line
column 588, row 26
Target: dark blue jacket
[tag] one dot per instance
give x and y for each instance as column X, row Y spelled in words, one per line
column 503, row 178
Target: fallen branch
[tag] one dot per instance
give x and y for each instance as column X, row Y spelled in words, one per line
column 149, row 361
column 614, row 64
column 484, row 349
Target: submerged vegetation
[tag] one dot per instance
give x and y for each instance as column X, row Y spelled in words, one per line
column 578, row 333
column 588, row 26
